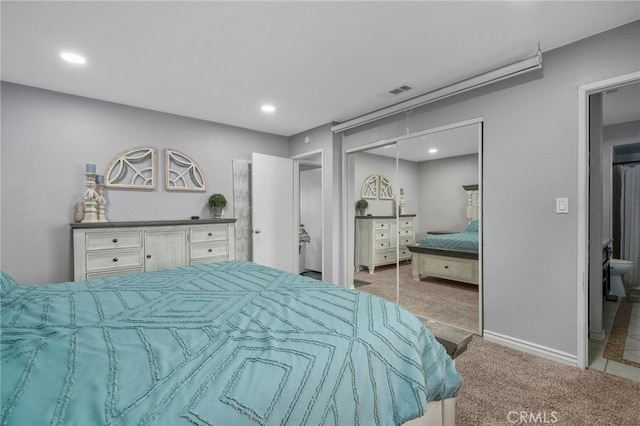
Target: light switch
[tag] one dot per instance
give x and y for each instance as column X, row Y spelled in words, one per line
column 562, row 205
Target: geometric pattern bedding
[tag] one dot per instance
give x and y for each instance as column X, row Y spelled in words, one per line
column 231, row 343
column 463, row 241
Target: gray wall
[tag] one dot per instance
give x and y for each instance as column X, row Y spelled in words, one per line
column 48, row 137
column 529, row 159
column 366, row 164
column 321, row 138
column 443, row 200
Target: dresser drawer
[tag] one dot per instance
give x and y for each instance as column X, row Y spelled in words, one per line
column 209, row 250
column 114, row 259
column 407, row 240
column 210, row 233
column 385, row 256
column 405, row 253
column 383, row 234
column 406, row 223
column 383, row 225
column 381, row 244
column 208, row 260
column 113, row 273
column 406, row 232
column 113, row 240
column 451, row 267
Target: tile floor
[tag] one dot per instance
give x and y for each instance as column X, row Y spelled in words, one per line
column 632, row 345
column 631, row 349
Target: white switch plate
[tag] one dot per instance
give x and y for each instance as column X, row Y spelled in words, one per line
column 562, row 205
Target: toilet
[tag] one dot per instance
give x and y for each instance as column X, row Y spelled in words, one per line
column 617, row 268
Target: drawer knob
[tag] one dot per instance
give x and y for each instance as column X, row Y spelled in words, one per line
column 115, row 259
column 115, row 240
column 148, row 256
column 446, row 266
column 210, row 250
column 210, row 234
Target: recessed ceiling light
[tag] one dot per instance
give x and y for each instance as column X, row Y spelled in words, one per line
column 268, row 108
column 74, row 58
column 433, row 151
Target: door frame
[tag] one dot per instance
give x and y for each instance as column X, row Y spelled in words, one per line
column 582, row 271
column 300, row 158
column 347, row 212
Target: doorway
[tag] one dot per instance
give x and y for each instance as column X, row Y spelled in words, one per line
column 431, row 188
column 311, row 234
column 593, row 219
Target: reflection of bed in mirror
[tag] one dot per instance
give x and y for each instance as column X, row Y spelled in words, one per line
column 452, row 256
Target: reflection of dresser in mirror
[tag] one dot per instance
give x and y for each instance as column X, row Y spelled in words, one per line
column 378, row 238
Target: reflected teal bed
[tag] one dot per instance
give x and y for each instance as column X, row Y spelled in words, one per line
column 449, row 256
column 231, row 343
column 466, row 240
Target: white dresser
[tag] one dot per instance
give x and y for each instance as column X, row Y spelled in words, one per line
column 378, row 237
column 107, row 249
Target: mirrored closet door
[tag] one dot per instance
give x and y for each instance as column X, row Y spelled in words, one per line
column 417, row 189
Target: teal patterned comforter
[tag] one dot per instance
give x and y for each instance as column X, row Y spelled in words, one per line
column 466, row 240
column 231, row 343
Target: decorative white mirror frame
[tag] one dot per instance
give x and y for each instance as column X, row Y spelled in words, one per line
column 182, row 173
column 385, row 189
column 134, row 168
column 377, row 187
column 370, row 188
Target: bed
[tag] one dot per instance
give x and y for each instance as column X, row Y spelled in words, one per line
column 451, row 256
column 230, row 343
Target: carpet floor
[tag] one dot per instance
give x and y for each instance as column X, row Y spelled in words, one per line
column 500, row 383
column 437, row 299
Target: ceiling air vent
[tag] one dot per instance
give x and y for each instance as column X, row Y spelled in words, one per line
column 395, row 92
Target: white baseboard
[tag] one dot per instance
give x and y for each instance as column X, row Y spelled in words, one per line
column 531, row 348
column 597, row 334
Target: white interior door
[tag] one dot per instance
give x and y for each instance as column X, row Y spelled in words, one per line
column 275, row 211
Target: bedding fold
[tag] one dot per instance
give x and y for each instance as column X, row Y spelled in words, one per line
column 221, row 343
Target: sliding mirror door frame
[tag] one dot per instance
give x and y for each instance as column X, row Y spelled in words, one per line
column 351, row 190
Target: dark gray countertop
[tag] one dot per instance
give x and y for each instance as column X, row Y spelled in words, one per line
column 131, row 224
column 384, row 217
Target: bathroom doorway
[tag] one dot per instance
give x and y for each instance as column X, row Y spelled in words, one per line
column 599, row 118
column 311, row 241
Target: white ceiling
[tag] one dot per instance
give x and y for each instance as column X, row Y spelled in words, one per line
column 317, row 62
column 450, row 143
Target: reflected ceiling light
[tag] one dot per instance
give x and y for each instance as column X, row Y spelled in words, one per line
column 268, row 108
column 433, row 151
column 73, row 58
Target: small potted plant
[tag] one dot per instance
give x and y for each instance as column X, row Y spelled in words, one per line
column 361, row 206
column 217, row 203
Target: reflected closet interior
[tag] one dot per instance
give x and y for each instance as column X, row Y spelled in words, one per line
column 420, row 185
